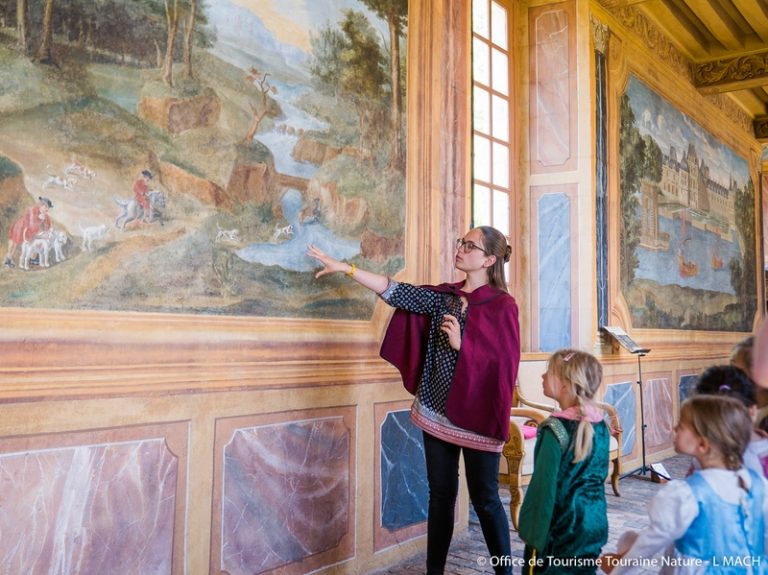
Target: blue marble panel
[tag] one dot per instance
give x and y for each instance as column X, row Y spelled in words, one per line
column 554, row 214
column 622, row 397
column 404, row 490
column 686, row 387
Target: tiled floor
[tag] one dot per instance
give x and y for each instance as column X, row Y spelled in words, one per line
column 468, row 552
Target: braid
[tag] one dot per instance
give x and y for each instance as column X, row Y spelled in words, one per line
column 584, row 432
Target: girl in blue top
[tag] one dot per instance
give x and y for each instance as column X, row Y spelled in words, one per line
column 714, row 520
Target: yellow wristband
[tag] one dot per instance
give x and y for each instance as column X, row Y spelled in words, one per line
column 352, row 270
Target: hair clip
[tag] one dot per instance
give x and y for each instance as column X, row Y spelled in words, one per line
column 568, row 357
column 725, row 388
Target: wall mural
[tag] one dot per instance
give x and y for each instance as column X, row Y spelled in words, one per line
column 180, row 156
column 687, row 229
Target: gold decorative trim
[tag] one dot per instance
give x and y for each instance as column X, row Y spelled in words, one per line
column 731, row 109
column 653, row 38
column 735, row 73
column 600, row 35
column 760, row 126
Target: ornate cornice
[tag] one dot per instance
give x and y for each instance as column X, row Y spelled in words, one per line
column 650, row 35
column 600, row 35
column 760, row 126
column 732, row 74
column 731, row 109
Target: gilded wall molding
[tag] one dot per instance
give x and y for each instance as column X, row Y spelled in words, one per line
column 731, row 109
column 741, row 72
column 760, row 126
column 637, row 23
column 600, row 35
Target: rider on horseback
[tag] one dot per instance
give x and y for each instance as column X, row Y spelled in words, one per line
column 141, row 191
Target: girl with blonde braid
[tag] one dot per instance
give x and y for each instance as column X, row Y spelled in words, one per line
column 563, row 519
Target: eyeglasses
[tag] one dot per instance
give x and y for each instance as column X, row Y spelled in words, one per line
column 466, row 246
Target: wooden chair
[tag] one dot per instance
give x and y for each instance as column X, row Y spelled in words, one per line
column 518, row 451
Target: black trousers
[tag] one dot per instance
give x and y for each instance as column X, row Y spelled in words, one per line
column 482, row 469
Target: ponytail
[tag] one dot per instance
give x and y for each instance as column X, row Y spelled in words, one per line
column 585, row 433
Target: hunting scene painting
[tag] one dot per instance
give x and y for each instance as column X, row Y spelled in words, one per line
column 179, row 156
column 687, row 221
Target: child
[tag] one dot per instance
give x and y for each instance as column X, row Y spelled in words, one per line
column 741, row 357
column 713, row 517
column 732, row 381
column 563, row 519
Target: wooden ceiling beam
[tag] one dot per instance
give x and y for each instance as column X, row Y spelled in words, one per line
column 730, row 74
column 690, row 20
column 756, row 15
column 692, row 39
column 719, row 22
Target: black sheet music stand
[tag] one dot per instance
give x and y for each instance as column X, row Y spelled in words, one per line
column 620, row 338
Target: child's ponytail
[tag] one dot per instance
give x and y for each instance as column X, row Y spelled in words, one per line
column 585, row 433
column 584, row 373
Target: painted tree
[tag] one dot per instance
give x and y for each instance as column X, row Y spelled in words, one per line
column 326, row 65
column 189, row 30
column 45, row 51
column 744, row 272
column 631, row 157
column 172, row 24
column 395, row 14
column 21, row 25
column 264, row 88
column 363, row 76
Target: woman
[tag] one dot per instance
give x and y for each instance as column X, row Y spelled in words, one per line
column 457, row 347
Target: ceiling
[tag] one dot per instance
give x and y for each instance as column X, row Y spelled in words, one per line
column 726, row 42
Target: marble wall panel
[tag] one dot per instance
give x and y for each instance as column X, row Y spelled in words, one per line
column 283, row 494
column 554, row 270
column 402, row 494
column 659, row 416
column 622, row 397
column 94, row 502
column 552, row 92
column 686, row 387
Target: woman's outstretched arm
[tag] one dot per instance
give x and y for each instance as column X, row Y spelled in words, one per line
column 373, row 281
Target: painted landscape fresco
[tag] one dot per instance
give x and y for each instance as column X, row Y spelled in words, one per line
column 190, row 150
column 688, row 256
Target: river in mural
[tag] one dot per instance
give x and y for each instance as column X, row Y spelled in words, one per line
column 705, row 252
column 291, row 254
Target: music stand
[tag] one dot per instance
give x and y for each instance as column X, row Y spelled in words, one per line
column 621, row 338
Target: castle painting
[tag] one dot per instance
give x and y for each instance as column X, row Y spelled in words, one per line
column 178, row 157
column 687, row 229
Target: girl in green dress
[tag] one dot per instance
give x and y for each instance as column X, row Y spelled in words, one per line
column 563, row 519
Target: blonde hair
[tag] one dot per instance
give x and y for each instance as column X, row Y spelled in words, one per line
column 583, row 372
column 721, row 420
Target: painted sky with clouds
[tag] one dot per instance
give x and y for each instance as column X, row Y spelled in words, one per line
column 670, row 127
column 291, row 20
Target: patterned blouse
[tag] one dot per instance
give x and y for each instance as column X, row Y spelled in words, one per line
column 429, row 407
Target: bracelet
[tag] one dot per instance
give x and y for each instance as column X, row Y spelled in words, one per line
column 352, row 270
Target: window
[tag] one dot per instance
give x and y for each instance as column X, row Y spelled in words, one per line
column 491, row 116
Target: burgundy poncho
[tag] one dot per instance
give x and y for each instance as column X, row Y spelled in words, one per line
column 483, row 382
